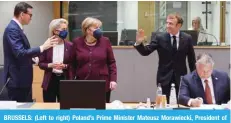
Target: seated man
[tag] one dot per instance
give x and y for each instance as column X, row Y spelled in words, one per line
column 204, row 84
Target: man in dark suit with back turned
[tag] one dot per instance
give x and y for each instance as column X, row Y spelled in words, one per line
column 18, row 71
column 205, row 84
column 173, row 47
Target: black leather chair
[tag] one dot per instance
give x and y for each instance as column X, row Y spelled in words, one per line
column 122, row 43
column 3, row 94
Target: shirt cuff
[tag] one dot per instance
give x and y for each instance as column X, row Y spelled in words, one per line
column 189, row 102
column 136, row 44
column 41, row 49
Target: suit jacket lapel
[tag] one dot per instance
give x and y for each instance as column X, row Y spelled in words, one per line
column 200, row 88
column 25, row 39
column 22, row 33
column 169, row 44
column 50, row 55
column 215, row 89
column 66, row 48
column 181, row 42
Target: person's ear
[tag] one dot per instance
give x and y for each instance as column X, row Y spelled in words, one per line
column 88, row 31
column 55, row 32
column 179, row 25
column 21, row 14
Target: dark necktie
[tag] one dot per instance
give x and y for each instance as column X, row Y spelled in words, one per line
column 174, row 45
column 208, row 95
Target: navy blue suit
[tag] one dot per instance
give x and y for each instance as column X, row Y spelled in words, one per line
column 191, row 87
column 18, row 71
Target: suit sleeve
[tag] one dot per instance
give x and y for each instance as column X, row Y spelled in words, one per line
column 191, row 55
column 184, row 94
column 111, row 63
column 148, row 49
column 17, row 46
column 228, row 90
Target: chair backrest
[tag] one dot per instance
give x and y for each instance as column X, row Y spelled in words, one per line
column 128, row 34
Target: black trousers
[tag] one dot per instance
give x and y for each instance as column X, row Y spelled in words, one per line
column 52, row 92
column 20, row 94
column 166, row 89
column 108, row 95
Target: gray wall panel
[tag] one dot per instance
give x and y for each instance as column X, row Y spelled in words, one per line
column 137, row 74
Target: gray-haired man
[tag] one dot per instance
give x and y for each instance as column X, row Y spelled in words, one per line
column 204, row 84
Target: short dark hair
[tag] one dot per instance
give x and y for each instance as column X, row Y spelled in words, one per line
column 177, row 16
column 21, row 7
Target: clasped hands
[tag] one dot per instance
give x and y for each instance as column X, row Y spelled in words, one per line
column 57, row 65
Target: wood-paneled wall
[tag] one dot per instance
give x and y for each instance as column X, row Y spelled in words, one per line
column 37, row 82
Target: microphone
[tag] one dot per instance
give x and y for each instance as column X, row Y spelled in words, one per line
column 155, row 33
column 125, row 34
column 178, row 96
column 4, row 86
column 212, row 36
column 88, row 74
column 124, row 37
column 158, row 29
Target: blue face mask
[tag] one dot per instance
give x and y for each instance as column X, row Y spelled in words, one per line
column 97, row 34
column 63, row 34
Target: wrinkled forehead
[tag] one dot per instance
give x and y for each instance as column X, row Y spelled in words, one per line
column 205, row 66
column 94, row 26
column 195, row 21
column 171, row 19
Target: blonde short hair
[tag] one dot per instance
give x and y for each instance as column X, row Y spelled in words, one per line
column 56, row 24
column 88, row 22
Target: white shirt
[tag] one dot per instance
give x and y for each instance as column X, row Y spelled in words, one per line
column 58, row 56
column 177, row 39
column 210, row 83
column 19, row 24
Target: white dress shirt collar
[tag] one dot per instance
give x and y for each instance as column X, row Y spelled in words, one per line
column 177, row 34
column 209, row 79
column 19, row 24
column 177, row 39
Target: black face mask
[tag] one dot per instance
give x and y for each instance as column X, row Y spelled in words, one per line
column 97, row 34
column 63, row 34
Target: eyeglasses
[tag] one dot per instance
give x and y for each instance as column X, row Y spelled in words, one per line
column 29, row 14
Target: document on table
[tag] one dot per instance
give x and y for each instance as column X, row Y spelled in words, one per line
column 208, row 106
column 8, row 104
